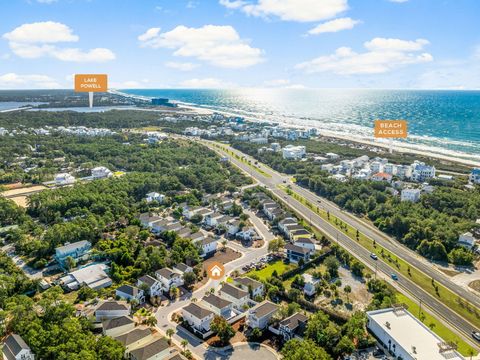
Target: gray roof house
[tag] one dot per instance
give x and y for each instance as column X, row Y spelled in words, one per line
column 14, row 348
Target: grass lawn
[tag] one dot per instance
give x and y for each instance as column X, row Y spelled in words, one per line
column 437, row 326
column 267, row 271
column 453, row 301
column 226, row 149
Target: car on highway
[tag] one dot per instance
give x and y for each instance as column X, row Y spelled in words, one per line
column 374, row 256
column 394, row 277
column 476, row 335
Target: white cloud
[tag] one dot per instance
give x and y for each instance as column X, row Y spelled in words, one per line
column 276, row 82
column 383, row 55
column 290, row 10
column 40, row 39
column 182, row 66
column 41, row 32
column 16, row 81
column 217, row 45
column 398, row 1
column 207, row 83
column 335, row 25
column 46, row 1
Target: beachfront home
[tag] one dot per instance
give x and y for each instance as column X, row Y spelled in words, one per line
column 382, row 176
column 101, row 172
column 237, row 296
column 129, row 293
column 169, row 278
column 15, row 348
column 422, row 172
column 293, row 327
column 112, row 309
column 78, row 251
column 260, row 315
column 218, row 305
column 475, row 176
column 156, row 350
column 117, row 326
column 255, row 288
column 155, row 196
column 153, row 286
column 412, row 195
column 64, row 179
column 198, row 317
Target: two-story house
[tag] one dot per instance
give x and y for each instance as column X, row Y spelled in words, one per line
column 154, row 286
column 293, row 326
column 294, row 253
column 78, row 251
column 117, row 326
column 169, row 278
column 310, row 286
column 255, row 288
column 260, row 315
column 15, row 348
column 112, row 309
column 156, row 350
column 218, row 305
column 237, row 296
column 129, row 293
column 198, row 317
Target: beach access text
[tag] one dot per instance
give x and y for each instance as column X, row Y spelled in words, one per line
column 390, row 128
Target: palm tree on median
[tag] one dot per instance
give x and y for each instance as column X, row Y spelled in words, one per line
column 184, row 344
column 170, row 333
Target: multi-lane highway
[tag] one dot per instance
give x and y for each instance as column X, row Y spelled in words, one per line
column 271, row 179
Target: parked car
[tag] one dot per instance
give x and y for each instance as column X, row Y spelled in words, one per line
column 374, row 256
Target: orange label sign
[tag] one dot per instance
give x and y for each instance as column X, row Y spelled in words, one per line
column 390, row 128
column 91, row 83
column 216, row 271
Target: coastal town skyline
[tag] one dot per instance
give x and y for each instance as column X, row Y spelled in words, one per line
column 236, row 44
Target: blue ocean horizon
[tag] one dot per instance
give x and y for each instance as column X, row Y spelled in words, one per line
column 441, row 121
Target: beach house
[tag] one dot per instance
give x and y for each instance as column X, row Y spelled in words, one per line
column 15, row 348
column 260, row 315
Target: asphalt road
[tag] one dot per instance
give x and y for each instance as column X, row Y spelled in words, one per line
column 405, row 285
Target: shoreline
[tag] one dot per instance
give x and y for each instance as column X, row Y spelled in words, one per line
column 439, row 154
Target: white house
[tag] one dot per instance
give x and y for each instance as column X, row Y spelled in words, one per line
column 475, row 176
column 154, row 286
column 408, row 338
column 233, row 227
column 282, row 224
column 292, row 152
column 155, row 196
column 260, row 315
column 237, row 296
column 94, row 276
column 156, row 350
column 310, row 287
column 305, row 242
column 212, row 220
column 255, row 288
column 169, row 278
column 15, row 348
column 208, row 246
column 129, row 292
column 412, row 195
column 218, row 305
column 403, row 171
column 64, row 179
column 117, row 326
column 332, row 156
column 182, row 268
column 422, row 172
column 198, row 317
column 294, row 253
column 467, row 240
column 112, row 309
column 101, row 172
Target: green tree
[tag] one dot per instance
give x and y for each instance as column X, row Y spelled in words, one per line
column 296, row 349
column 223, row 329
column 332, row 265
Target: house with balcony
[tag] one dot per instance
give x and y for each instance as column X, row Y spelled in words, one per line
column 293, row 326
column 78, row 251
column 101, row 172
column 154, row 286
column 169, row 278
column 255, row 288
column 311, row 282
column 117, row 326
column 239, row 298
column 15, row 348
column 112, row 309
column 296, row 253
column 198, row 317
column 218, row 305
column 155, row 196
column 129, row 293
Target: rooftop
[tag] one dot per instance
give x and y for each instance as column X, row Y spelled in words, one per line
column 197, row 311
column 233, row 291
column 73, row 246
column 264, row 309
column 216, row 301
column 113, row 305
column 117, row 322
column 150, row 350
column 246, row 281
column 133, row 336
column 13, row 345
column 411, row 334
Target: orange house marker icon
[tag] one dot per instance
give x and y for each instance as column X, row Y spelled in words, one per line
column 216, row 271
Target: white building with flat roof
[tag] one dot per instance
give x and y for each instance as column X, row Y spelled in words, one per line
column 64, row 179
column 407, row 337
column 293, row 152
column 412, row 195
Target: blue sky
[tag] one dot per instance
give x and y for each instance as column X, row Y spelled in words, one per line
column 242, row 43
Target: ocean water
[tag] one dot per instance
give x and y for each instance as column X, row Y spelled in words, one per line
column 443, row 122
